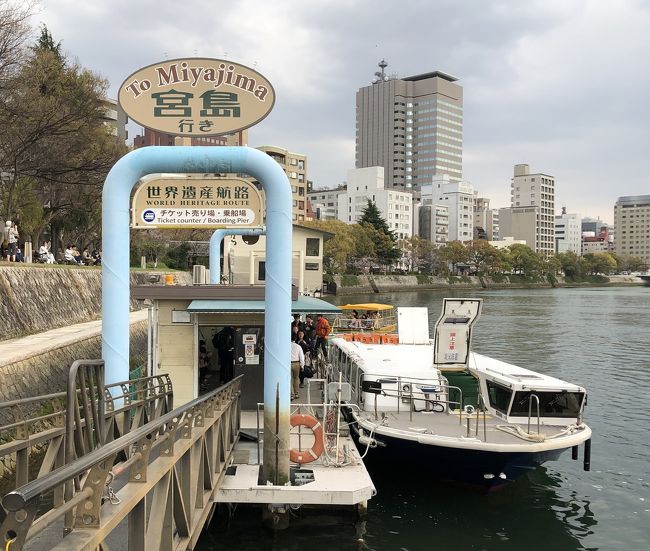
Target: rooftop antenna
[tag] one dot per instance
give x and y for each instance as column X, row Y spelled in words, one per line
column 380, row 76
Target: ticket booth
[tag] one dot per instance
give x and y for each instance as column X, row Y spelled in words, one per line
column 188, row 319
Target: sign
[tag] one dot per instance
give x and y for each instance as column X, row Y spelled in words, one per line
column 196, row 97
column 194, row 201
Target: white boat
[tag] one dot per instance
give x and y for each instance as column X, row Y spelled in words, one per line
column 468, row 418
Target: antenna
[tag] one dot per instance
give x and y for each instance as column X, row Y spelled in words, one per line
column 380, row 76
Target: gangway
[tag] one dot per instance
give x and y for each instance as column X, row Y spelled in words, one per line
column 171, row 469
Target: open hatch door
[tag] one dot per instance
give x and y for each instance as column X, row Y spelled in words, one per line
column 453, row 333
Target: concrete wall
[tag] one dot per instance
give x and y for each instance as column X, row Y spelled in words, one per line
column 36, row 299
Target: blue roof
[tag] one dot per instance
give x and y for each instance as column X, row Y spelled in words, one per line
column 302, row 305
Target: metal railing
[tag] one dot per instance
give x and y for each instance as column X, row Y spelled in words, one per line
column 194, row 444
column 530, row 410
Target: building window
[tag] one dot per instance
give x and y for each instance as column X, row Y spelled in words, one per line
column 261, row 271
column 312, row 266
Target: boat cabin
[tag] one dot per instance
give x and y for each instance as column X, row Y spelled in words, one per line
column 370, row 316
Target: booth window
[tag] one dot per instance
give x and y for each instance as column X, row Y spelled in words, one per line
column 313, row 266
column 313, row 246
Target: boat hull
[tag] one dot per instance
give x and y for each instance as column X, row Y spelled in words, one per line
column 481, row 470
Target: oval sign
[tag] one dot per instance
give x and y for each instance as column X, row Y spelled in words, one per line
column 196, row 97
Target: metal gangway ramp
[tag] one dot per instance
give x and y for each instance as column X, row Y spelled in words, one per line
column 153, row 487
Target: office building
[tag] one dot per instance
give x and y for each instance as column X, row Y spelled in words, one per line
column 632, row 222
column 412, row 126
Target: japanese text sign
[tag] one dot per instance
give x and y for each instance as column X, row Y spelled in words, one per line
column 196, row 202
column 196, row 97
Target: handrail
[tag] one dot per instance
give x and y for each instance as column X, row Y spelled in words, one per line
column 530, row 408
column 19, row 498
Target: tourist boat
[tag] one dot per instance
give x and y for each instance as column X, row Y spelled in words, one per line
column 366, row 317
column 464, row 417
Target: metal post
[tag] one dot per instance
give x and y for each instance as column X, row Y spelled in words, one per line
column 215, row 248
column 115, row 267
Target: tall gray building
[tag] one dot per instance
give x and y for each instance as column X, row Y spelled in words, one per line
column 411, row 126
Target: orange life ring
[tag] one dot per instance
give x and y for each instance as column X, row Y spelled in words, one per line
column 303, row 420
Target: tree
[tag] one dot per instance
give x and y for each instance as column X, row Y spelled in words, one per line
column 455, row 253
column 372, row 216
column 14, row 33
column 524, row 260
column 54, row 145
column 483, row 256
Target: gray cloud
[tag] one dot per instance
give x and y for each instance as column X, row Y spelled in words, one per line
column 560, row 84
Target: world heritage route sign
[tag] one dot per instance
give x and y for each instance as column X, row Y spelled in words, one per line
column 186, row 201
column 196, row 97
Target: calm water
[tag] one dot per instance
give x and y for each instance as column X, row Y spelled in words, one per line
column 597, row 337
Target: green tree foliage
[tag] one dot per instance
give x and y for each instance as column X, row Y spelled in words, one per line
column 524, row 260
column 483, row 257
column 54, row 145
column 629, row 263
column 455, row 253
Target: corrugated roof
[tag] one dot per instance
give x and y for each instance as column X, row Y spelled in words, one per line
column 300, row 305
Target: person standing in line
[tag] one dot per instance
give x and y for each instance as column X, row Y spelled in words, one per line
column 310, row 330
column 323, row 329
column 297, row 365
column 300, row 341
column 11, row 237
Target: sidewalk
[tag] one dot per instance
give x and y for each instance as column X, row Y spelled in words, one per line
column 15, row 350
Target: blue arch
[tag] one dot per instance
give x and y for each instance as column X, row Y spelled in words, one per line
column 215, row 248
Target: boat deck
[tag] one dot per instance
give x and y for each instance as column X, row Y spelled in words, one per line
column 433, row 428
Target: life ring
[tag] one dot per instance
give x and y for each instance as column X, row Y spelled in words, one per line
column 303, row 420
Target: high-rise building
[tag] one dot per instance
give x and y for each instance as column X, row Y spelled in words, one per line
column 632, row 222
column 532, row 193
column 412, row 126
column 568, row 234
column 367, row 184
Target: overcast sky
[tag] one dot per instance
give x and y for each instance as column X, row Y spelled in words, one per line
column 562, row 85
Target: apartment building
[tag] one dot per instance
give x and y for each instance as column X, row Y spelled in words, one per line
column 324, row 202
column 531, row 193
column 458, row 197
column 367, row 184
column 485, row 219
column 568, row 233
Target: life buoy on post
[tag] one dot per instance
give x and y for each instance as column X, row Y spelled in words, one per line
column 304, row 420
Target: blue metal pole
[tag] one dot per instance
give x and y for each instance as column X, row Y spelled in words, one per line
column 115, row 271
column 215, row 248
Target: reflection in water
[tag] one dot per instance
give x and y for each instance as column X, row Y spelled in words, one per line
column 595, row 337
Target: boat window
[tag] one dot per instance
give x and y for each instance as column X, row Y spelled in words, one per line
column 551, row 404
column 499, row 396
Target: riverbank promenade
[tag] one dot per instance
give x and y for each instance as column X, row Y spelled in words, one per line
column 23, row 348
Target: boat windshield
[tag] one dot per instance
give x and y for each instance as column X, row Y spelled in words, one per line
column 499, row 396
column 551, row 404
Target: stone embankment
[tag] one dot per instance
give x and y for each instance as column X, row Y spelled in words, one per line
column 38, row 298
column 360, row 284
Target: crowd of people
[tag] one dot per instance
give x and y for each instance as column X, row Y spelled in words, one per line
column 307, row 337
column 11, row 250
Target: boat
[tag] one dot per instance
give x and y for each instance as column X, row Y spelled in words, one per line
column 464, row 417
column 366, row 317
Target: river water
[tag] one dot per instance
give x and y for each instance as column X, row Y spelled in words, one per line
column 596, row 337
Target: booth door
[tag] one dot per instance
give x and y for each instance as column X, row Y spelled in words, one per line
column 249, row 361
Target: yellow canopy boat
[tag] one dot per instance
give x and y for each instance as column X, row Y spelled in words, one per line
column 371, row 316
